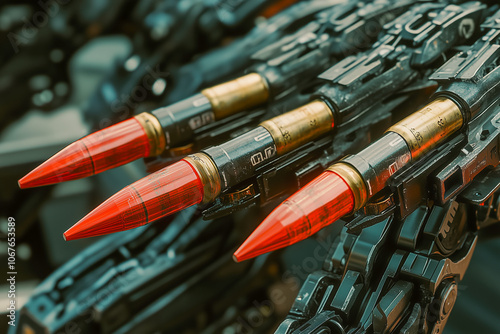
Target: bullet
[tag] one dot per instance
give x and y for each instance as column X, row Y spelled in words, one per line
column 148, row 134
column 169, row 190
column 279, row 68
column 346, row 186
column 200, row 178
column 92, row 154
column 219, row 167
column 324, row 200
column 349, row 93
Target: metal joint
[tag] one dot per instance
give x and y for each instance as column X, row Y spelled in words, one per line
column 154, row 131
column 355, row 182
column 209, row 175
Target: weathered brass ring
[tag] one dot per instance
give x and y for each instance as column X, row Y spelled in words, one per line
column 208, row 173
column 354, row 180
column 154, row 131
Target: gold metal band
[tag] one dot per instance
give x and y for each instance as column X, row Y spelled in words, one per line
column 154, row 131
column 237, row 95
column 354, row 180
column 424, row 129
column 209, row 174
column 297, row 127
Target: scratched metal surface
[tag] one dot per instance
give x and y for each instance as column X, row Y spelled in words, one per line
column 477, row 309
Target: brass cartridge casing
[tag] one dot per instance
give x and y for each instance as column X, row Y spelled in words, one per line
column 209, row 175
column 238, row 94
column 299, row 126
column 154, row 131
column 424, row 129
column 354, row 180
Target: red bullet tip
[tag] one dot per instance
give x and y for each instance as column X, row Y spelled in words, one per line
column 162, row 193
column 95, row 153
column 320, row 203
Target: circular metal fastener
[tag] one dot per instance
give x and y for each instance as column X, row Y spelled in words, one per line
column 449, row 298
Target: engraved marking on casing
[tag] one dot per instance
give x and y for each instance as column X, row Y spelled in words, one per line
column 299, row 126
column 354, row 180
column 237, row 95
column 260, row 157
column 154, row 132
column 201, row 120
column 424, row 129
column 209, row 175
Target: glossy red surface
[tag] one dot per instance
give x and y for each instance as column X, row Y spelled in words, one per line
column 164, row 192
column 102, row 150
column 320, row 203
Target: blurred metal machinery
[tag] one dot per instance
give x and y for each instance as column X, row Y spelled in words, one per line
column 77, row 72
